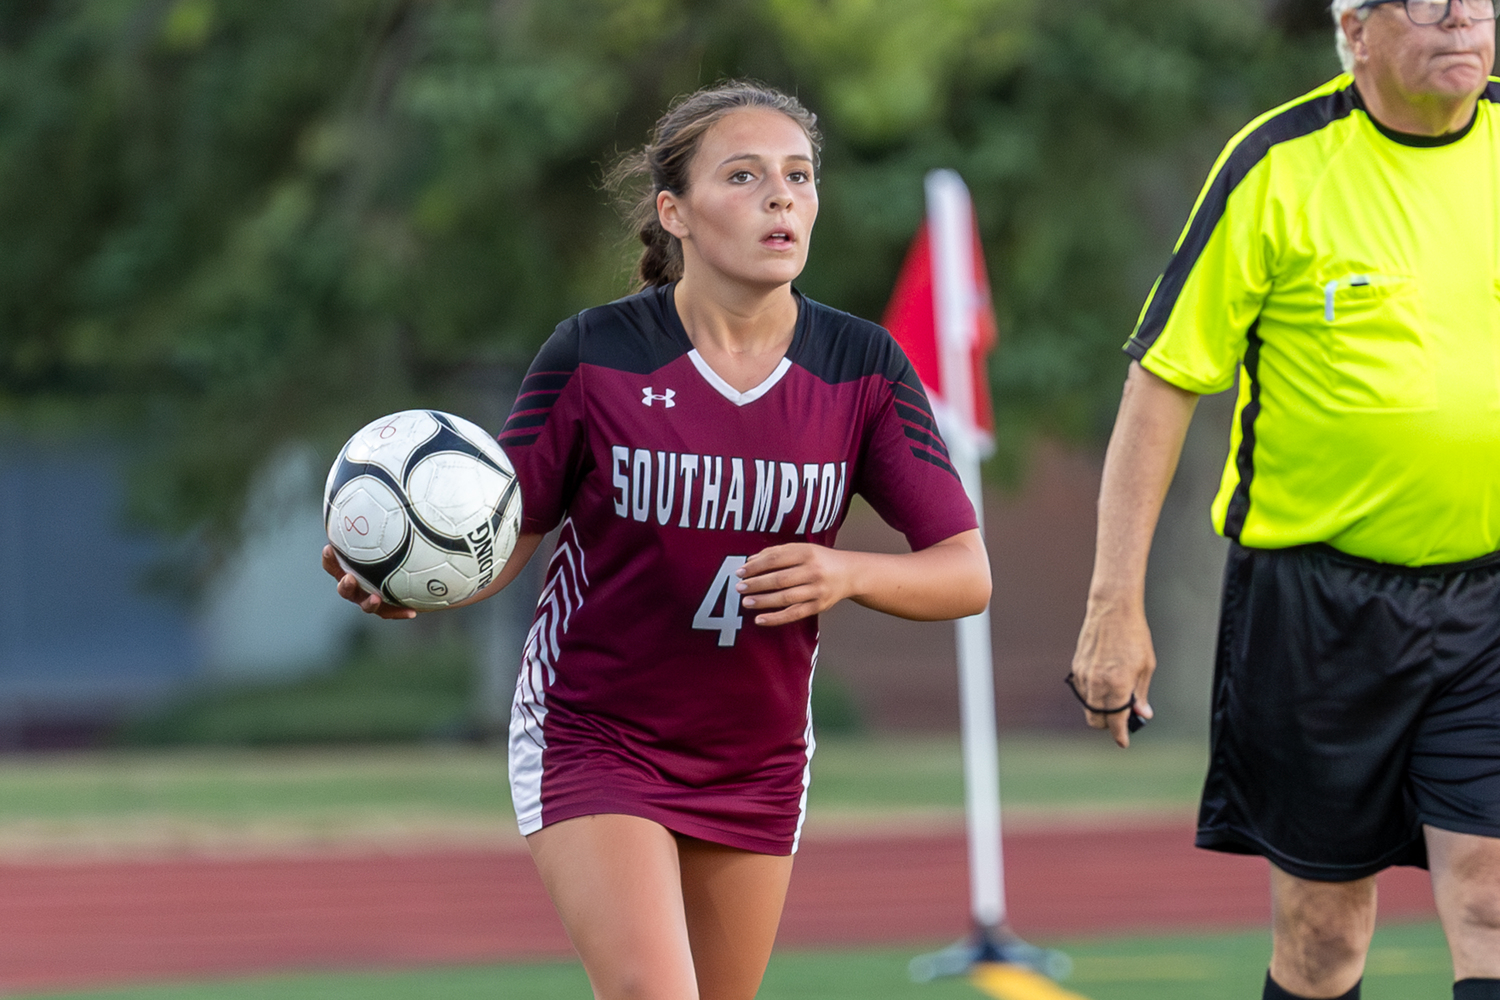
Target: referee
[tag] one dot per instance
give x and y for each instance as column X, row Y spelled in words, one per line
column 1343, row 265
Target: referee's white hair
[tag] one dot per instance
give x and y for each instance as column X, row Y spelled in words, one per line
column 1339, row 8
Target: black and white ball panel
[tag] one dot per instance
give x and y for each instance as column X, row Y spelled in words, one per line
column 422, row 507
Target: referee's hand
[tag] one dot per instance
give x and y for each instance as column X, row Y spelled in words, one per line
column 1113, row 663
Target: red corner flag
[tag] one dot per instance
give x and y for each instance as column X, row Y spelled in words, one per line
column 942, row 300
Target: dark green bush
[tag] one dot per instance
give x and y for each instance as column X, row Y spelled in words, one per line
column 372, row 697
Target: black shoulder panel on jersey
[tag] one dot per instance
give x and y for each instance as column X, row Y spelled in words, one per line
column 1293, row 123
column 837, row 347
column 639, row 333
column 1492, row 92
column 550, row 372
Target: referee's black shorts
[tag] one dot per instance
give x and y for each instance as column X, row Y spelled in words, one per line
column 1354, row 701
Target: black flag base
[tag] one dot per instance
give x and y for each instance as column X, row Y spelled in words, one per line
column 989, row 945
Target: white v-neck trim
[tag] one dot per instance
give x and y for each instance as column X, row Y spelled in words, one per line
column 728, row 391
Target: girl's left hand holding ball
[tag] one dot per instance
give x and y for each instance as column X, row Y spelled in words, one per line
column 350, row 590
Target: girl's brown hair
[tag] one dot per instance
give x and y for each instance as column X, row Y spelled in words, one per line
column 666, row 158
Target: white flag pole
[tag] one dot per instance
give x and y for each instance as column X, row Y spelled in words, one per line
column 957, row 301
column 950, row 221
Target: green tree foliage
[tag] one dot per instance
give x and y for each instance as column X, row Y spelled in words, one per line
column 229, row 223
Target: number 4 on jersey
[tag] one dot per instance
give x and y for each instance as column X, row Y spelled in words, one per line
column 721, row 594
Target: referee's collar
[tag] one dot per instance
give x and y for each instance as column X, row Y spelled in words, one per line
column 1409, row 138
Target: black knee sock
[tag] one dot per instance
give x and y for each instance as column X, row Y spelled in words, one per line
column 1476, row 989
column 1275, row 992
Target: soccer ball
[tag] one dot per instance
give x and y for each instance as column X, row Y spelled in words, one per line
column 423, row 508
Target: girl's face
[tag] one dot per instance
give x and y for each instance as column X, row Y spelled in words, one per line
column 748, row 212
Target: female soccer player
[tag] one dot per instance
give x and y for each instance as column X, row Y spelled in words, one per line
column 698, row 442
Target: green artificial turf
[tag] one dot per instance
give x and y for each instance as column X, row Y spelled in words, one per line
column 233, row 784
column 1407, row 962
column 1035, row 771
column 874, row 773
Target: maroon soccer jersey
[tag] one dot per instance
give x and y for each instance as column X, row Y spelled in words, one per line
column 643, row 688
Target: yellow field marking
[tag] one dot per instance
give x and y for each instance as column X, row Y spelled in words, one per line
column 1014, row 982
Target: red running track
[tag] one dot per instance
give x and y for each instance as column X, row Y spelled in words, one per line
column 66, row 925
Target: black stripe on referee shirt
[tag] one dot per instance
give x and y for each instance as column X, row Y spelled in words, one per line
column 1244, row 460
column 1293, row 123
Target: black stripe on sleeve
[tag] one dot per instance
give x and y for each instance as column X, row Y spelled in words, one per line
column 915, row 415
column 1293, row 123
column 929, row 441
column 531, row 402
column 1244, row 460
column 524, row 421
column 929, row 457
column 911, row 392
column 550, row 373
column 545, row 381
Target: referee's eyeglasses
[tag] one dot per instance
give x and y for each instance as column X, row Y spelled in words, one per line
column 1426, row 12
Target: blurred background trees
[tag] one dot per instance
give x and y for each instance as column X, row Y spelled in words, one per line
column 226, row 224
column 233, row 231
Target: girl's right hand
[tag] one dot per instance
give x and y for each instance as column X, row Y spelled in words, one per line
column 350, row 590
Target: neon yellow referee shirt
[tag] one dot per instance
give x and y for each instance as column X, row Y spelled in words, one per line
column 1350, row 276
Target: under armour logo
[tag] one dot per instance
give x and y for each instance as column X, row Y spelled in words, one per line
column 668, row 398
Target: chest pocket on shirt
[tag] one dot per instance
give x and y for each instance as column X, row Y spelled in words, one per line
column 1373, row 343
